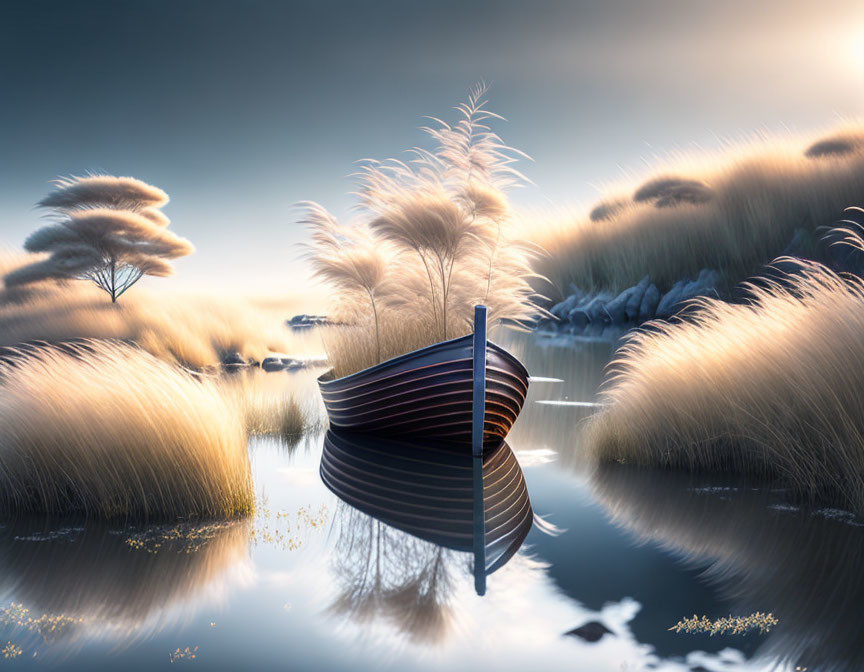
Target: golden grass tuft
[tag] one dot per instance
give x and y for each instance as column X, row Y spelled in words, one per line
column 772, row 388
column 732, row 211
column 111, row 431
column 354, row 347
column 266, row 407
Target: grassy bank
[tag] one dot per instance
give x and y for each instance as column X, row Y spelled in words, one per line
column 111, row 431
column 196, row 331
column 771, row 389
column 732, row 211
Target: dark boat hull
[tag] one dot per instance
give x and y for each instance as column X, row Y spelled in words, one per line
column 429, row 393
column 429, row 491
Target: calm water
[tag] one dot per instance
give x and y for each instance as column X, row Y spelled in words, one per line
column 313, row 584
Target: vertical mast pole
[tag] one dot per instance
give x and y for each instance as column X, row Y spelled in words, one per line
column 479, row 400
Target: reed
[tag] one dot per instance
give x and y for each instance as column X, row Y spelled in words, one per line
column 770, row 388
column 435, row 238
column 267, row 406
column 732, row 211
column 111, row 431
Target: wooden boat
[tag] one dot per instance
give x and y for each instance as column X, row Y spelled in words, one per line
column 434, row 492
column 441, row 392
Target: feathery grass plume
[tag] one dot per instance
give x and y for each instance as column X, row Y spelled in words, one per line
column 444, row 220
column 108, row 430
column 734, row 211
column 769, row 388
column 109, row 231
column 195, row 330
column 350, row 260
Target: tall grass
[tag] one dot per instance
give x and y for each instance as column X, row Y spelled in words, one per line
column 270, row 407
column 111, row 431
column 434, row 239
column 772, row 388
column 732, row 211
column 194, row 330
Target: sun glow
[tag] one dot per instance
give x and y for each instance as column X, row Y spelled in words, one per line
column 856, row 50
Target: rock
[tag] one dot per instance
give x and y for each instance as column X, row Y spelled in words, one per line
column 233, row 359
column 307, row 321
column 592, row 631
column 670, row 299
column 635, row 300
column 578, row 317
column 650, row 301
column 704, row 285
column 596, row 309
column 274, row 363
column 616, row 309
column 562, row 310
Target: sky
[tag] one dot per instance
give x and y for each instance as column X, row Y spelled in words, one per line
column 241, row 109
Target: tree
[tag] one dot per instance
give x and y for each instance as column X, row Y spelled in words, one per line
column 109, row 230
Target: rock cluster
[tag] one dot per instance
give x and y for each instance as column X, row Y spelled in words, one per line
column 644, row 301
column 275, row 361
column 307, row 321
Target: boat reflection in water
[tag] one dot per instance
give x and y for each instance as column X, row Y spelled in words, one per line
column 410, row 513
column 761, row 553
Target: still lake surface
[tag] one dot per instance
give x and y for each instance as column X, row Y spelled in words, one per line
column 311, row 583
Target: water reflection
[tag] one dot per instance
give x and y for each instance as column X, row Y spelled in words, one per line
column 761, row 553
column 406, row 525
column 120, row 585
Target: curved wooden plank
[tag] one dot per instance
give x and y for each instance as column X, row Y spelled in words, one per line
column 428, row 393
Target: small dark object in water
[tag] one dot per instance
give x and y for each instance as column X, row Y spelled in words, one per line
column 592, row 631
column 308, row 321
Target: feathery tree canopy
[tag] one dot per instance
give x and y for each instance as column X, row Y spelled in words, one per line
column 106, row 229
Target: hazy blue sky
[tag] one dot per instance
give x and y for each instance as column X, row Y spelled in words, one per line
column 240, row 109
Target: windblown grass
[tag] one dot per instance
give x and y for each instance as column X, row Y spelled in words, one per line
column 733, row 212
column 196, row 331
column 111, row 431
column 354, row 347
column 435, row 238
column 773, row 388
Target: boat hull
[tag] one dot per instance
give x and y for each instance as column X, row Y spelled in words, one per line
column 429, row 393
